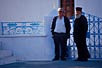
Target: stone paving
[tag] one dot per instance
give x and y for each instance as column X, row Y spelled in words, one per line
column 55, row 64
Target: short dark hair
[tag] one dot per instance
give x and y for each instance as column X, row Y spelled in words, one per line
column 79, row 9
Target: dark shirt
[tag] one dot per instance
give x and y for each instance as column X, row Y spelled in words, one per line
column 67, row 25
column 80, row 28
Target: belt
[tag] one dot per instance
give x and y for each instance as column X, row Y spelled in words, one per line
column 59, row 33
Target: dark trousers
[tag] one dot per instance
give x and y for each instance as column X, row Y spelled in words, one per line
column 82, row 48
column 60, row 42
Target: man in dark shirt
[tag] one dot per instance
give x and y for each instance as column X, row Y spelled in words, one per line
column 61, row 32
column 80, row 31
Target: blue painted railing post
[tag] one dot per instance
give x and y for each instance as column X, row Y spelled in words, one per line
column 94, row 36
column 99, row 38
column 89, row 23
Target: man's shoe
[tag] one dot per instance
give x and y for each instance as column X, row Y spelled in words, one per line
column 63, row 59
column 55, row 59
column 84, row 59
column 81, row 59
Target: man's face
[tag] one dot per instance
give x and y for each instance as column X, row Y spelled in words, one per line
column 78, row 12
column 60, row 13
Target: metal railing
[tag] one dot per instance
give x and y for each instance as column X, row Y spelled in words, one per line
column 94, row 37
column 22, row 29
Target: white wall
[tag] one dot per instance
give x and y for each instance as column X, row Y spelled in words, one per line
column 100, row 8
column 30, row 47
column 91, row 6
column 25, row 10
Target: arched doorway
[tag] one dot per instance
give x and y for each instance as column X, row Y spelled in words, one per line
column 68, row 6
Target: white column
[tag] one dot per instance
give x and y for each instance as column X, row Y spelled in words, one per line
column 58, row 1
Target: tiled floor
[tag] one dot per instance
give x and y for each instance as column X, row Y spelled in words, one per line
column 55, row 64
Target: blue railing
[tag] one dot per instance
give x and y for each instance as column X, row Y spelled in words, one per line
column 22, row 29
column 94, row 37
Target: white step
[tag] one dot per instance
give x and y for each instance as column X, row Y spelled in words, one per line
column 5, row 53
column 7, row 60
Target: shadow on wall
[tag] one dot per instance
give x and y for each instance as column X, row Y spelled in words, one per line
column 53, row 12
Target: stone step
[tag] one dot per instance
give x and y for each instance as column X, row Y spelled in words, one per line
column 8, row 60
column 5, row 53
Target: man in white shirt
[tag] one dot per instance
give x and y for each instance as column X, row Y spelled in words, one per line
column 61, row 32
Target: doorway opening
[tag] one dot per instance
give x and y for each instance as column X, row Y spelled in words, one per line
column 68, row 6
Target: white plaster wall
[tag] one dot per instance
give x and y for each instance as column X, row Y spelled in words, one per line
column 101, row 8
column 30, row 47
column 25, row 10
column 93, row 7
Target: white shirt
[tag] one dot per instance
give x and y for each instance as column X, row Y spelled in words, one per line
column 60, row 26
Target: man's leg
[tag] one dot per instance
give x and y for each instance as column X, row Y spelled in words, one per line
column 63, row 46
column 56, row 42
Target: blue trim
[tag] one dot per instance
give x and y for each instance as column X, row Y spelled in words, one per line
column 23, row 28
